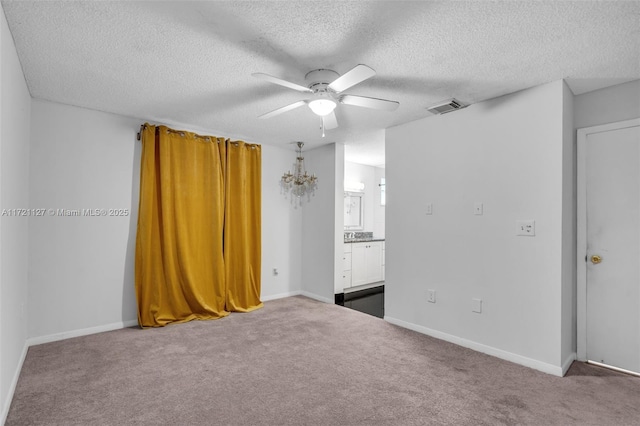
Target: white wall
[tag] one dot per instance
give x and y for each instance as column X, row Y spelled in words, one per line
column 15, row 110
column 322, row 224
column 379, row 211
column 608, row 105
column 281, row 229
column 338, row 224
column 508, row 154
column 81, row 268
column 568, row 338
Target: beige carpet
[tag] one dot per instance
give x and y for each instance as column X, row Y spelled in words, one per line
column 302, row 362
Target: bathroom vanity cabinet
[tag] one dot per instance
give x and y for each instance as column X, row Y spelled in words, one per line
column 363, row 263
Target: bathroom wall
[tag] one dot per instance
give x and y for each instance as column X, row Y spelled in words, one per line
column 373, row 211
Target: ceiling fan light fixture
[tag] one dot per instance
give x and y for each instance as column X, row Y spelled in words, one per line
column 322, row 107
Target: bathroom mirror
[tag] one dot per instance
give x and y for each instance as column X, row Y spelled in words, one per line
column 353, row 211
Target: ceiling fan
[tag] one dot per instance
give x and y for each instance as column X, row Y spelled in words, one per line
column 327, row 87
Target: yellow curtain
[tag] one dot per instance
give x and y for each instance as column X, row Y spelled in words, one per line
column 184, row 233
column 242, row 232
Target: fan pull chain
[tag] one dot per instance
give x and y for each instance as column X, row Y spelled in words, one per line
column 322, row 127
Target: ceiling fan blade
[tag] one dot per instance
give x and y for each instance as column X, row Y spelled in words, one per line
column 330, row 121
column 355, row 75
column 281, row 82
column 373, row 103
column 283, row 109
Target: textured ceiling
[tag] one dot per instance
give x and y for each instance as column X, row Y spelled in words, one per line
column 191, row 62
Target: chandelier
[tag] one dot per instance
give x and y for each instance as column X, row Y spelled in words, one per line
column 300, row 182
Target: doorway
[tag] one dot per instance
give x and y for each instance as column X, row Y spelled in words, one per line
column 608, row 245
column 369, row 301
column 364, row 229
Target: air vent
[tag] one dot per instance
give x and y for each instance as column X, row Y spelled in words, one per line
column 446, row 106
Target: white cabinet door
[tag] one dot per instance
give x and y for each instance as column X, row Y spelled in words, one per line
column 346, row 262
column 358, row 264
column 373, row 261
column 346, row 279
column 346, row 266
column 366, row 263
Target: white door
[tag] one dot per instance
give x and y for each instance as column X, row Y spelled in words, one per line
column 610, row 184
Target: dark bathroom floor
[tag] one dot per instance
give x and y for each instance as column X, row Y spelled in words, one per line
column 369, row 301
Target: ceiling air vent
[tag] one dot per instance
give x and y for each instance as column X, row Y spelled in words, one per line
column 446, row 106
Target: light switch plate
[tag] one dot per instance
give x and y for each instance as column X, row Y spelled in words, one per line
column 526, row 228
column 478, row 209
column 476, row 305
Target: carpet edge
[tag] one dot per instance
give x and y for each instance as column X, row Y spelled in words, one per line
column 479, row 347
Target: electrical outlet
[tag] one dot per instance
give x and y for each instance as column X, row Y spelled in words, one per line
column 431, row 296
column 526, row 228
column 428, row 209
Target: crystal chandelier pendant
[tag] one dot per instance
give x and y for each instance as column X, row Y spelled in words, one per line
column 299, row 183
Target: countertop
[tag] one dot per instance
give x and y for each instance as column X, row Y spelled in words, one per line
column 362, row 240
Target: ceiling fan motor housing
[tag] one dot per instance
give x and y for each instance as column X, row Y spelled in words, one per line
column 319, row 80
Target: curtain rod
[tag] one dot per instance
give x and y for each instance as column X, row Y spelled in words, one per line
column 142, row 126
column 181, row 132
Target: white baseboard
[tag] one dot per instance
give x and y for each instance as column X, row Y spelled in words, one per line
column 297, row 293
column 318, row 298
column 498, row 353
column 12, row 387
column 280, row 295
column 81, row 332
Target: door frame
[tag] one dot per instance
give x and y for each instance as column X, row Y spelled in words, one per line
column 581, row 236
